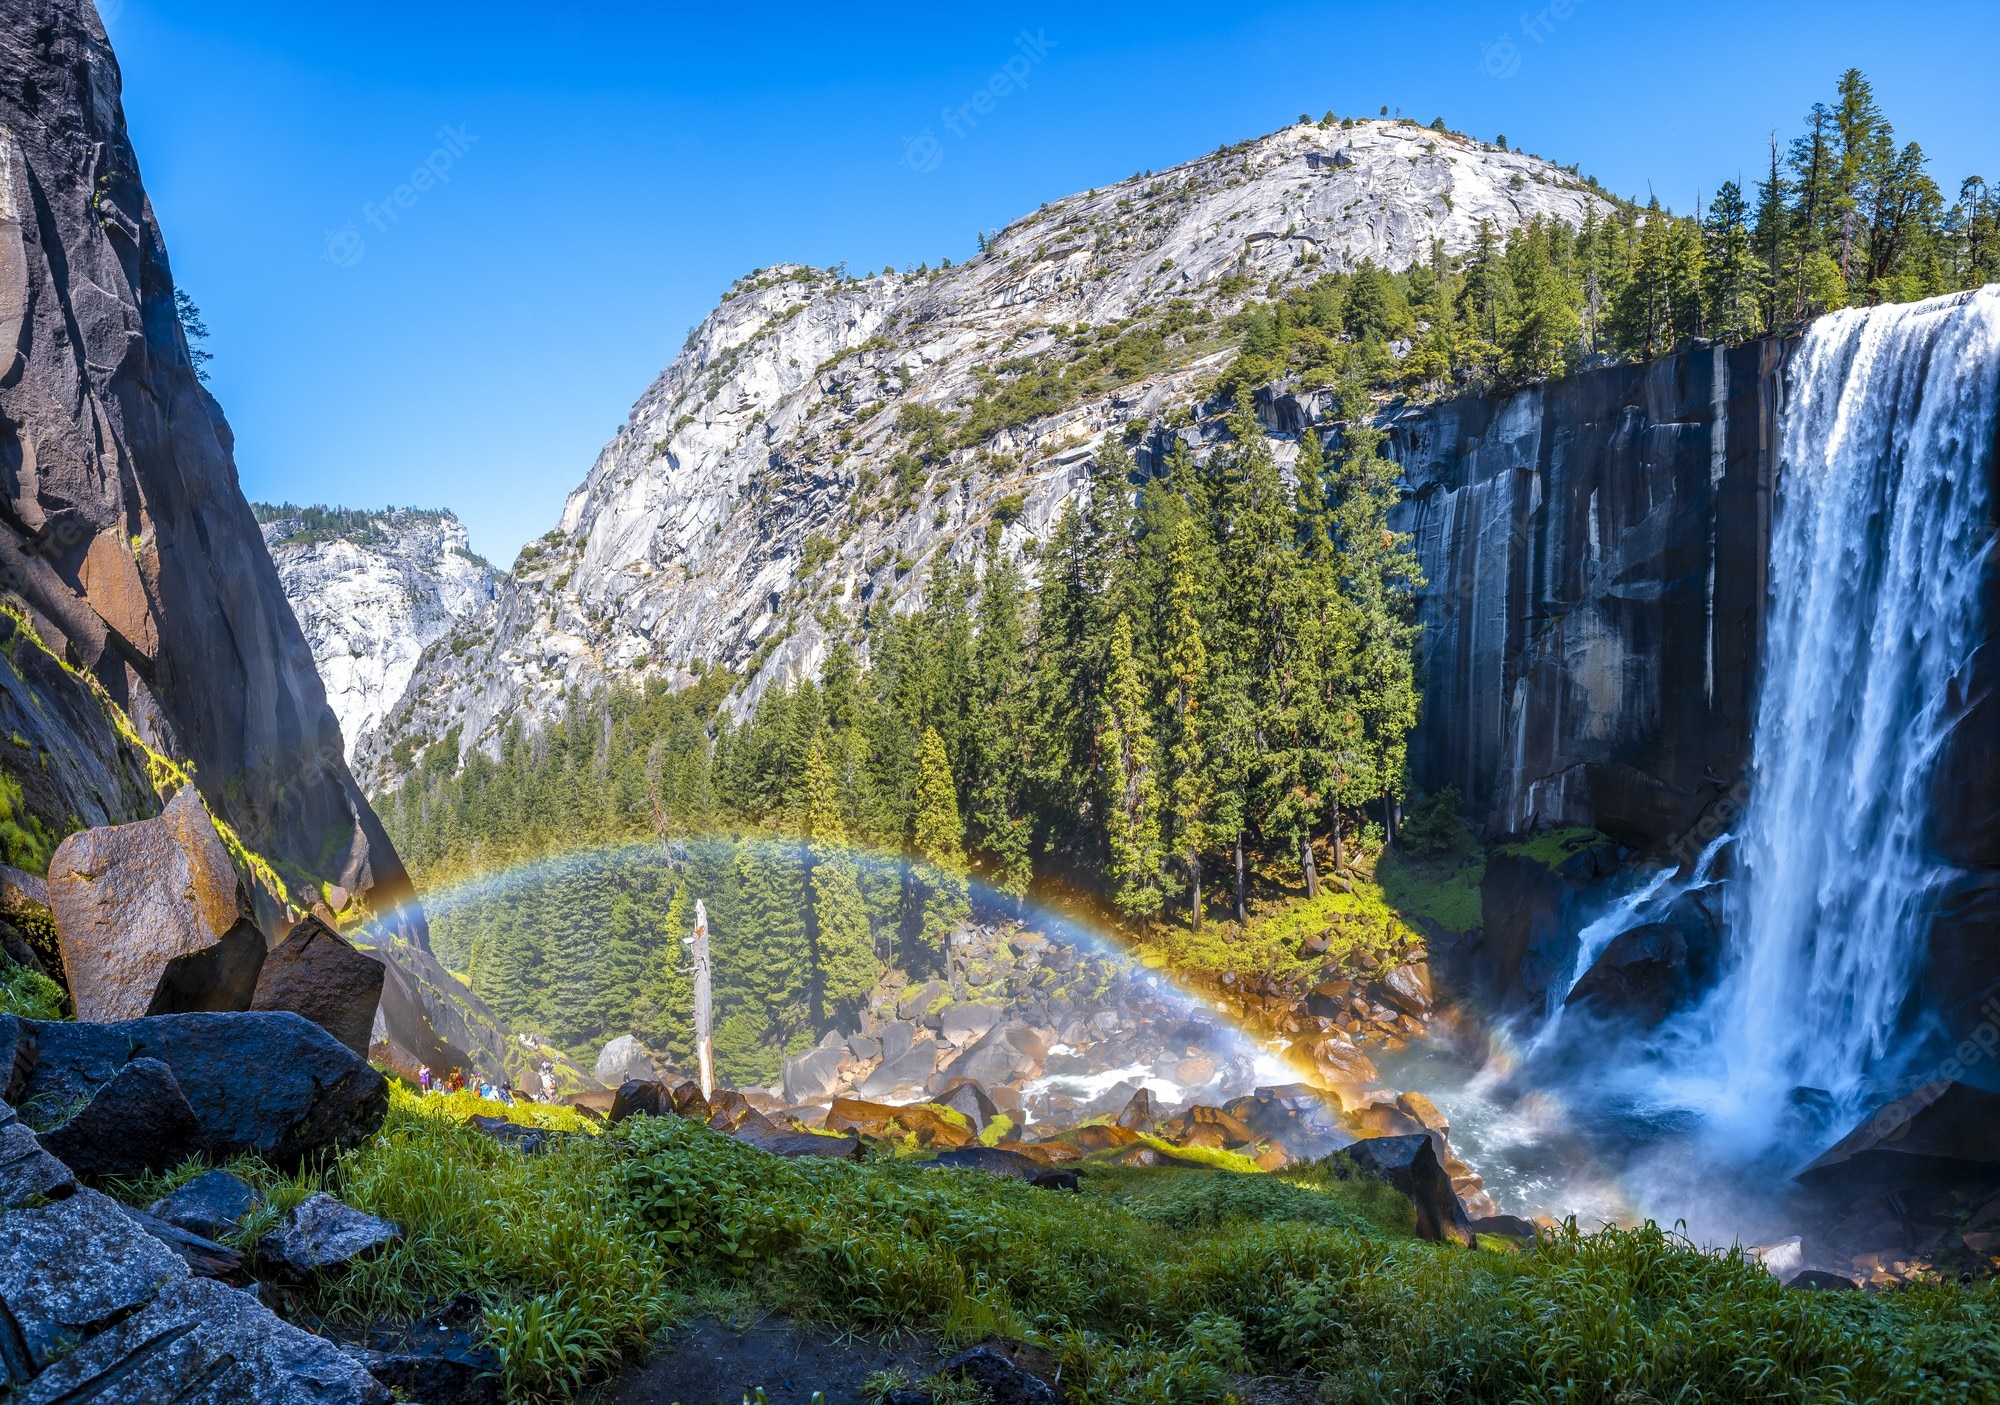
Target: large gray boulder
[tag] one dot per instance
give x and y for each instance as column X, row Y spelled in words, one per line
column 275, row 1085
column 625, row 1058
column 211, row 1205
column 198, row 1341
column 320, row 1234
column 27, row 1171
column 814, row 1075
column 72, row 1268
column 316, row 973
column 1410, row 1164
column 140, row 1121
column 146, row 914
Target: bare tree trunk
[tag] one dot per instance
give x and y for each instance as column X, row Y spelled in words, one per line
column 1339, row 855
column 1312, row 870
column 1194, row 890
column 1242, row 905
column 704, row 1010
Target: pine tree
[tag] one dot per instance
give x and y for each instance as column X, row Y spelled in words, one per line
column 1127, row 782
column 1184, row 660
column 1002, row 731
column 1732, row 292
column 939, row 840
column 843, row 942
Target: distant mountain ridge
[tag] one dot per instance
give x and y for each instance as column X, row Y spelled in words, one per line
column 821, row 435
column 372, row 590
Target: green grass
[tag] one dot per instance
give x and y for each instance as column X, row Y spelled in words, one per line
column 1150, row 1285
column 1553, row 846
column 1270, row 943
column 30, row 994
column 1441, row 890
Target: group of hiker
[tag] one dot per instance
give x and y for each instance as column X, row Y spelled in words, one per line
column 456, row 1081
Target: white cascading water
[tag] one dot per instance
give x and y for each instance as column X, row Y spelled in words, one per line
column 1879, row 542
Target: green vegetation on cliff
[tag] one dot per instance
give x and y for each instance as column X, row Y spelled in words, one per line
column 1842, row 216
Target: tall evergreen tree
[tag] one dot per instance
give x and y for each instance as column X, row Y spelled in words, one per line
column 1184, row 660
column 1128, row 782
column 843, row 943
column 939, row 839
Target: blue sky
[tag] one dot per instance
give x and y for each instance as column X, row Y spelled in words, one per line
column 608, row 168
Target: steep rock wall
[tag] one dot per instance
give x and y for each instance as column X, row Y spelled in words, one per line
column 122, row 527
column 1595, row 550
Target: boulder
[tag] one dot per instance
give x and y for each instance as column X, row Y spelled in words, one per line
column 211, row 1205
column 215, row 977
column 1642, row 976
column 657, row 1099
column 1137, row 1115
column 1006, row 1053
column 316, row 973
column 623, row 1059
column 1407, row 988
column 757, row 1131
column 27, row 1172
column 1386, row 1120
column 272, row 1084
column 883, row 1120
column 137, row 1122
column 1294, row 1116
column 1424, row 1112
column 200, row 1341
column 1410, row 1164
column 910, row 1069
column 1504, row 1226
column 968, row 1098
column 437, row 1365
column 728, row 1109
column 320, row 1234
column 71, row 1268
column 129, row 900
column 1144, row 1155
column 814, row 1075
column 1209, row 1127
column 20, row 1045
column 998, row 1161
column 919, row 1000
column 1819, row 1280
column 1941, row 1136
column 1006, row 1373
column 529, row 1141
column 1340, row 1063
column 962, row 1023
column 896, row 1040
column 23, row 894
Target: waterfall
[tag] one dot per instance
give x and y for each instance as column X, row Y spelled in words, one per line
column 1879, row 543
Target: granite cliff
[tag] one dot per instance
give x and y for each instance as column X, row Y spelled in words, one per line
column 372, row 590
column 123, row 533
column 821, row 437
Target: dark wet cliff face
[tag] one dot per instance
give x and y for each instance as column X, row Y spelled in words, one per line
column 1595, row 549
column 122, row 527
